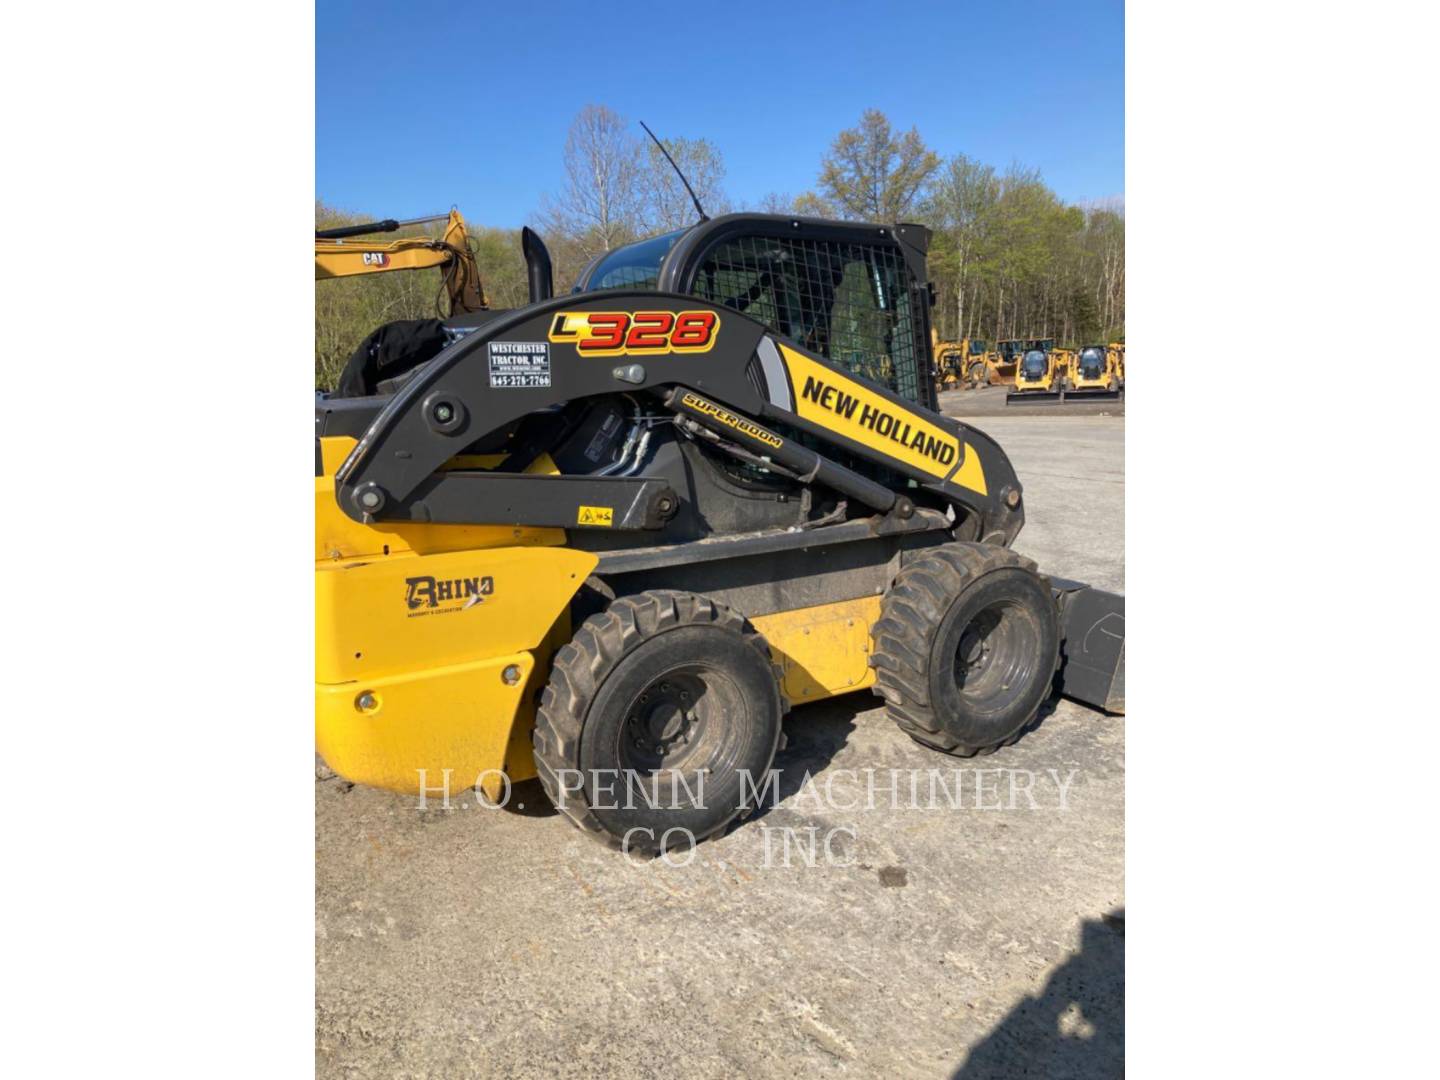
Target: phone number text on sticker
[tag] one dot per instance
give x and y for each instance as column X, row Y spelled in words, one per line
column 636, row 333
column 519, row 365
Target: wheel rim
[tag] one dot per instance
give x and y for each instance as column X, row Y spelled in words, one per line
column 682, row 722
column 995, row 660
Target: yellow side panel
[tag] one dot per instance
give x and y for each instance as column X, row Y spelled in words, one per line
column 824, row 650
column 429, row 638
column 458, row 718
column 334, row 449
column 396, row 616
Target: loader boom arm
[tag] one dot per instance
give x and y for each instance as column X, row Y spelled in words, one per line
column 706, row 363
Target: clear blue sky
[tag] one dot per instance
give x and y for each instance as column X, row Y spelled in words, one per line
column 420, row 105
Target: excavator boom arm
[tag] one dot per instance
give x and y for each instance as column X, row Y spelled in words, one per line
column 337, row 258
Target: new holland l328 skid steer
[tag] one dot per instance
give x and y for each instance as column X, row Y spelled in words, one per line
column 612, row 536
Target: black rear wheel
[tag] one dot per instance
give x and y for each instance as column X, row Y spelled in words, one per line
column 966, row 647
column 659, row 721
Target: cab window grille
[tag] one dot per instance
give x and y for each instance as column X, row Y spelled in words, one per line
column 849, row 302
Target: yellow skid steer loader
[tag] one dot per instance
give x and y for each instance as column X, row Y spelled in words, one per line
column 611, row 537
column 1096, row 375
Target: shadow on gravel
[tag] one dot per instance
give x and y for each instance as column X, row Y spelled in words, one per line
column 1043, row 713
column 1075, row 1027
column 528, row 799
column 819, row 731
column 816, row 733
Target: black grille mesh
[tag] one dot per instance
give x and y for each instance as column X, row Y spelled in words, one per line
column 846, row 301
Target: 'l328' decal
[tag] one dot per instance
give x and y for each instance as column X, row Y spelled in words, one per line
column 637, row 333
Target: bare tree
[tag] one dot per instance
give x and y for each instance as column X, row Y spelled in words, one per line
column 600, row 203
column 961, row 207
column 665, row 204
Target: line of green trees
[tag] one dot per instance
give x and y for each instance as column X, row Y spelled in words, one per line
column 1009, row 258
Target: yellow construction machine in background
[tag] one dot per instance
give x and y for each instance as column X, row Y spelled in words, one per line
column 1040, row 374
column 1008, row 354
column 1097, row 373
column 341, row 252
column 963, row 365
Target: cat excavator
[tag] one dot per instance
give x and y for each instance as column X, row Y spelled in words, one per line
column 346, row 251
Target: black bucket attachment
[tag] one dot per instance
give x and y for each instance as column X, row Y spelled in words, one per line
column 1096, row 393
column 1034, row 397
column 1092, row 645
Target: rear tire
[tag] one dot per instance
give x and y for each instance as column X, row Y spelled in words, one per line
column 966, row 648
column 657, row 683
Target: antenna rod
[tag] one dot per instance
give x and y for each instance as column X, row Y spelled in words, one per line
column 698, row 208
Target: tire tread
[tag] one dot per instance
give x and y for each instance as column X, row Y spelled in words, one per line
column 582, row 664
column 909, row 615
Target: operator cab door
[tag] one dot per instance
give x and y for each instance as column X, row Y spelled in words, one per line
column 851, row 293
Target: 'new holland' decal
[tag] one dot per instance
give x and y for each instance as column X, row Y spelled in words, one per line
column 839, row 404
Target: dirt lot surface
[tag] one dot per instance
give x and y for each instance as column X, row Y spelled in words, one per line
column 970, row 930
column 991, row 401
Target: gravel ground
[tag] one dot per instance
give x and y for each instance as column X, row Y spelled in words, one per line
column 991, row 401
column 975, row 929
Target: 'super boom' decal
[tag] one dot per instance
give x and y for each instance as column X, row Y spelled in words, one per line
column 742, row 424
column 636, row 333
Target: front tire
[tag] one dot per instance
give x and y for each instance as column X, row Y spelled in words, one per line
column 966, row 647
column 659, row 689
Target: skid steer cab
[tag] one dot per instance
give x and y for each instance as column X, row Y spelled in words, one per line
column 611, row 537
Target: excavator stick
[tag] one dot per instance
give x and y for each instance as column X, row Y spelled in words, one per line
column 344, row 251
